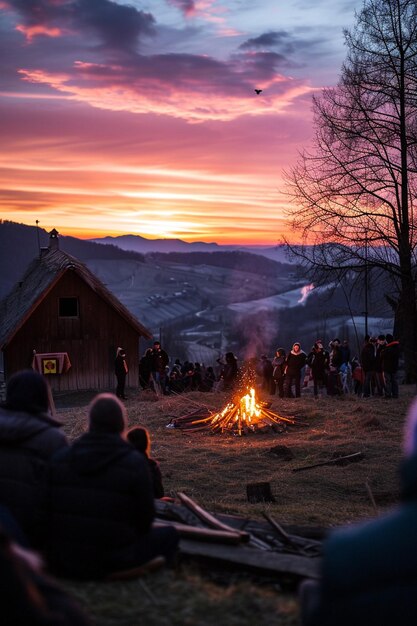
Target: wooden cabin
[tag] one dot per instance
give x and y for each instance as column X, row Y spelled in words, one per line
column 62, row 320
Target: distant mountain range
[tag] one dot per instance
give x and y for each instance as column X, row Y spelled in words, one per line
column 142, row 245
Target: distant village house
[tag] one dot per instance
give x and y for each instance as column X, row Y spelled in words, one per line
column 61, row 320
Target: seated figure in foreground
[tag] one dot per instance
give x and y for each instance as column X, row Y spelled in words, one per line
column 369, row 571
column 29, row 436
column 101, row 502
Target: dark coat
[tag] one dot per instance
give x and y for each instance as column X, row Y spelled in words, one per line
column 156, row 475
column 295, row 363
column 370, row 570
column 120, row 366
column 319, row 361
column 100, row 504
column 27, row 442
column 160, row 360
column 368, row 358
column 278, row 363
column 390, row 357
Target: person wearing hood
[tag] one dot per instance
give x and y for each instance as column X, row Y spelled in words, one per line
column 101, row 502
column 369, row 570
column 29, row 436
column 294, row 364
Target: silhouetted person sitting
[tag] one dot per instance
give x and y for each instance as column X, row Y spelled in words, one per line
column 369, row 571
column 27, row 596
column 101, row 501
column 140, row 440
column 29, row 437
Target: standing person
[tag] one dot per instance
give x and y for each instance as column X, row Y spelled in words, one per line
column 319, row 362
column 379, row 377
column 267, row 373
column 145, row 370
column 229, row 371
column 101, row 503
column 160, row 360
column 294, row 364
column 139, row 438
column 390, row 358
column 29, row 437
column 278, row 363
column 368, row 362
column 121, row 370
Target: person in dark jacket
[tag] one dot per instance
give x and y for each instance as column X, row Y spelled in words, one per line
column 390, row 357
column 29, row 437
column 369, row 571
column 120, row 369
column 101, row 503
column 368, row 362
column 139, row 438
column 267, row 373
column 294, row 364
column 229, row 371
column 319, row 362
column 145, row 370
column 160, row 360
column 278, row 363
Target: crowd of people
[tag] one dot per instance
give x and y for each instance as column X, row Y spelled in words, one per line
column 332, row 371
column 86, row 507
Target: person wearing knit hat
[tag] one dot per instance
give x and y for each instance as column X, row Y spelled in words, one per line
column 369, row 570
column 294, row 364
column 29, row 436
column 102, row 502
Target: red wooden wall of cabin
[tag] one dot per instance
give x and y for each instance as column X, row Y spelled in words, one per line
column 90, row 340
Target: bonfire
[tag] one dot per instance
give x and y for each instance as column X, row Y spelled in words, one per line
column 241, row 415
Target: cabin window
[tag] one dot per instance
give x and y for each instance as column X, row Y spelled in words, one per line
column 68, row 307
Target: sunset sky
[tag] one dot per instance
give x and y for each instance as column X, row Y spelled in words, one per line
column 141, row 116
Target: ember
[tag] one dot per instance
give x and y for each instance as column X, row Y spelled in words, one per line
column 243, row 414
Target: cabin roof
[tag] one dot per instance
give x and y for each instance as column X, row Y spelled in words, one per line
column 40, row 277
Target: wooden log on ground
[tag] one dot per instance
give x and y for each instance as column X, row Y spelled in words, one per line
column 201, row 534
column 341, row 460
column 267, row 562
column 207, row 517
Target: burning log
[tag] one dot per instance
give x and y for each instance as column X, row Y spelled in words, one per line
column 241, row 415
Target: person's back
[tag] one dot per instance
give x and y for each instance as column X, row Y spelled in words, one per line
column 29, row 437
column 139, row 438
column 100, row 500
column 369, row 571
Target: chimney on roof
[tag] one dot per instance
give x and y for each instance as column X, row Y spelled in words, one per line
column 53, row 240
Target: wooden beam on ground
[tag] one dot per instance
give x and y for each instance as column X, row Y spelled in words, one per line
column 266, row 561
column 201, row 534
column 208, row 518
column 348, row 458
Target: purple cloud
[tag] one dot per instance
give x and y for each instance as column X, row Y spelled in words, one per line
column 186, row 6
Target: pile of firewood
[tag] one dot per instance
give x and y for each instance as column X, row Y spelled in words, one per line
column 266, row 547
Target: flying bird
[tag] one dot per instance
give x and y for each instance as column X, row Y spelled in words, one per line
column 258, row 91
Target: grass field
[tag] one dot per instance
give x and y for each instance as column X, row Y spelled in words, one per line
column 215, row 469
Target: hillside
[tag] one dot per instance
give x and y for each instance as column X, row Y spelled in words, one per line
column 215, row 469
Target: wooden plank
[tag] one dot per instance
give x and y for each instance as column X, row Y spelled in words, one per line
column 202, row 534
column 208, row 518
column 268, row 562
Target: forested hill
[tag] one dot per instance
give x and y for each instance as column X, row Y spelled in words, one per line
column 19, row 246
column 236, row 260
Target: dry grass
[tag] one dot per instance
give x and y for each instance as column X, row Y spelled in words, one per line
column 214, row 470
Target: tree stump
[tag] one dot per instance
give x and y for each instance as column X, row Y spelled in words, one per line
column 259, row 492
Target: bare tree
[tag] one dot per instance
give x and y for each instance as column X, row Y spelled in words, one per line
column 356, row 187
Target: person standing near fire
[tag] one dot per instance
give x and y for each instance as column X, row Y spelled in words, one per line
column 160, row 360
column 121, row 369
column 294, row 364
